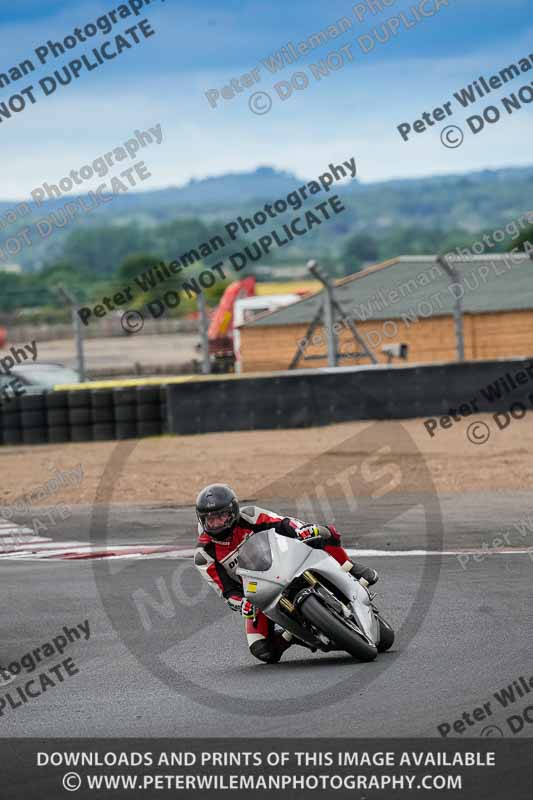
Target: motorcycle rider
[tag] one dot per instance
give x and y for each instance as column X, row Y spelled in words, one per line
column 223, row 527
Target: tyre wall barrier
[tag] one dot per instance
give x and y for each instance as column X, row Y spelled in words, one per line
column 285, row 400
column 312, row 397
column 84, row 416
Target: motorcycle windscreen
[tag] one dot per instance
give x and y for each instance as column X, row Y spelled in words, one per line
column 256, row 554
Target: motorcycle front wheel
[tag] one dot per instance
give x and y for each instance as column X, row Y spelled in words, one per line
column 337, row 629
column 386, row 635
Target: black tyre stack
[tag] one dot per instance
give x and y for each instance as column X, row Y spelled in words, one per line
column 57, row 405
column 33, row 419
column 163, row 399
column 125, row 408
column 103, row 414
column 84, row 415
column 80, row 416
column 11, row 423
column 149, row 411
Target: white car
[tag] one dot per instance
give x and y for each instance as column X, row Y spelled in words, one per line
column 39, row 376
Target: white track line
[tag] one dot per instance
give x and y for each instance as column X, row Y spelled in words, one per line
column 502, row 551
column 186, row 554
column 20, row 543
column 394, row 553
column 12, row 526
column 113, row 552
column 24, row 544
column 16, row 538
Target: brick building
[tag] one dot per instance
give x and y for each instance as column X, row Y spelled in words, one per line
column 407, row 300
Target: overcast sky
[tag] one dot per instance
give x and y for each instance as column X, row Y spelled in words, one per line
column 352, row 112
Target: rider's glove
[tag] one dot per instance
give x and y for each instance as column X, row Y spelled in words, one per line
column 241, row 604
column 314, row 535
column 247, row 609
column 235, row 602
column 308, row 533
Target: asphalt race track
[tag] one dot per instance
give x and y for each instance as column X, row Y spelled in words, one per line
column 466, row 635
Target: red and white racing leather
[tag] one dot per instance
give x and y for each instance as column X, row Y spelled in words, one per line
column 217, row 561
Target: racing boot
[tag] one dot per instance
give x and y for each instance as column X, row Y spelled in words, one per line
column 329, row 538
column 270, row 650
column 358, row 571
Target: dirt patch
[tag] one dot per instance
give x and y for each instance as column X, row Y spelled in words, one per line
column 171, row 469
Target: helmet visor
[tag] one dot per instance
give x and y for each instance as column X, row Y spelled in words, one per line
column 217, row 521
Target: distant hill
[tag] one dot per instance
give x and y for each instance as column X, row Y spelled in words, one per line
column 208, row 194
column 223, row 190
column 471, row 202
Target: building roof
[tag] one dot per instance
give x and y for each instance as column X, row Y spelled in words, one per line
column 287, row 287
column 419, row 285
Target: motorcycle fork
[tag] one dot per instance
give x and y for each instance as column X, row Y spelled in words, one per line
column 314, row 582
column 309, row 577
column 286, row 604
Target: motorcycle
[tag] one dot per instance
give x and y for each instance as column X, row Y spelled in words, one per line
column 311, row 597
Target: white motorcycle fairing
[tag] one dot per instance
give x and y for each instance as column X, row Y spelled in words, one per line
column 269, row 563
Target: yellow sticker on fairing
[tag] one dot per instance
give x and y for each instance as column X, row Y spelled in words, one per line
column 252, row 587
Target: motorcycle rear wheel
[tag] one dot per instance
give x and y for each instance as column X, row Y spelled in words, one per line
column 336, row 629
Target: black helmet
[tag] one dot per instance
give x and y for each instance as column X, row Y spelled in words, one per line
column 217, row 509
